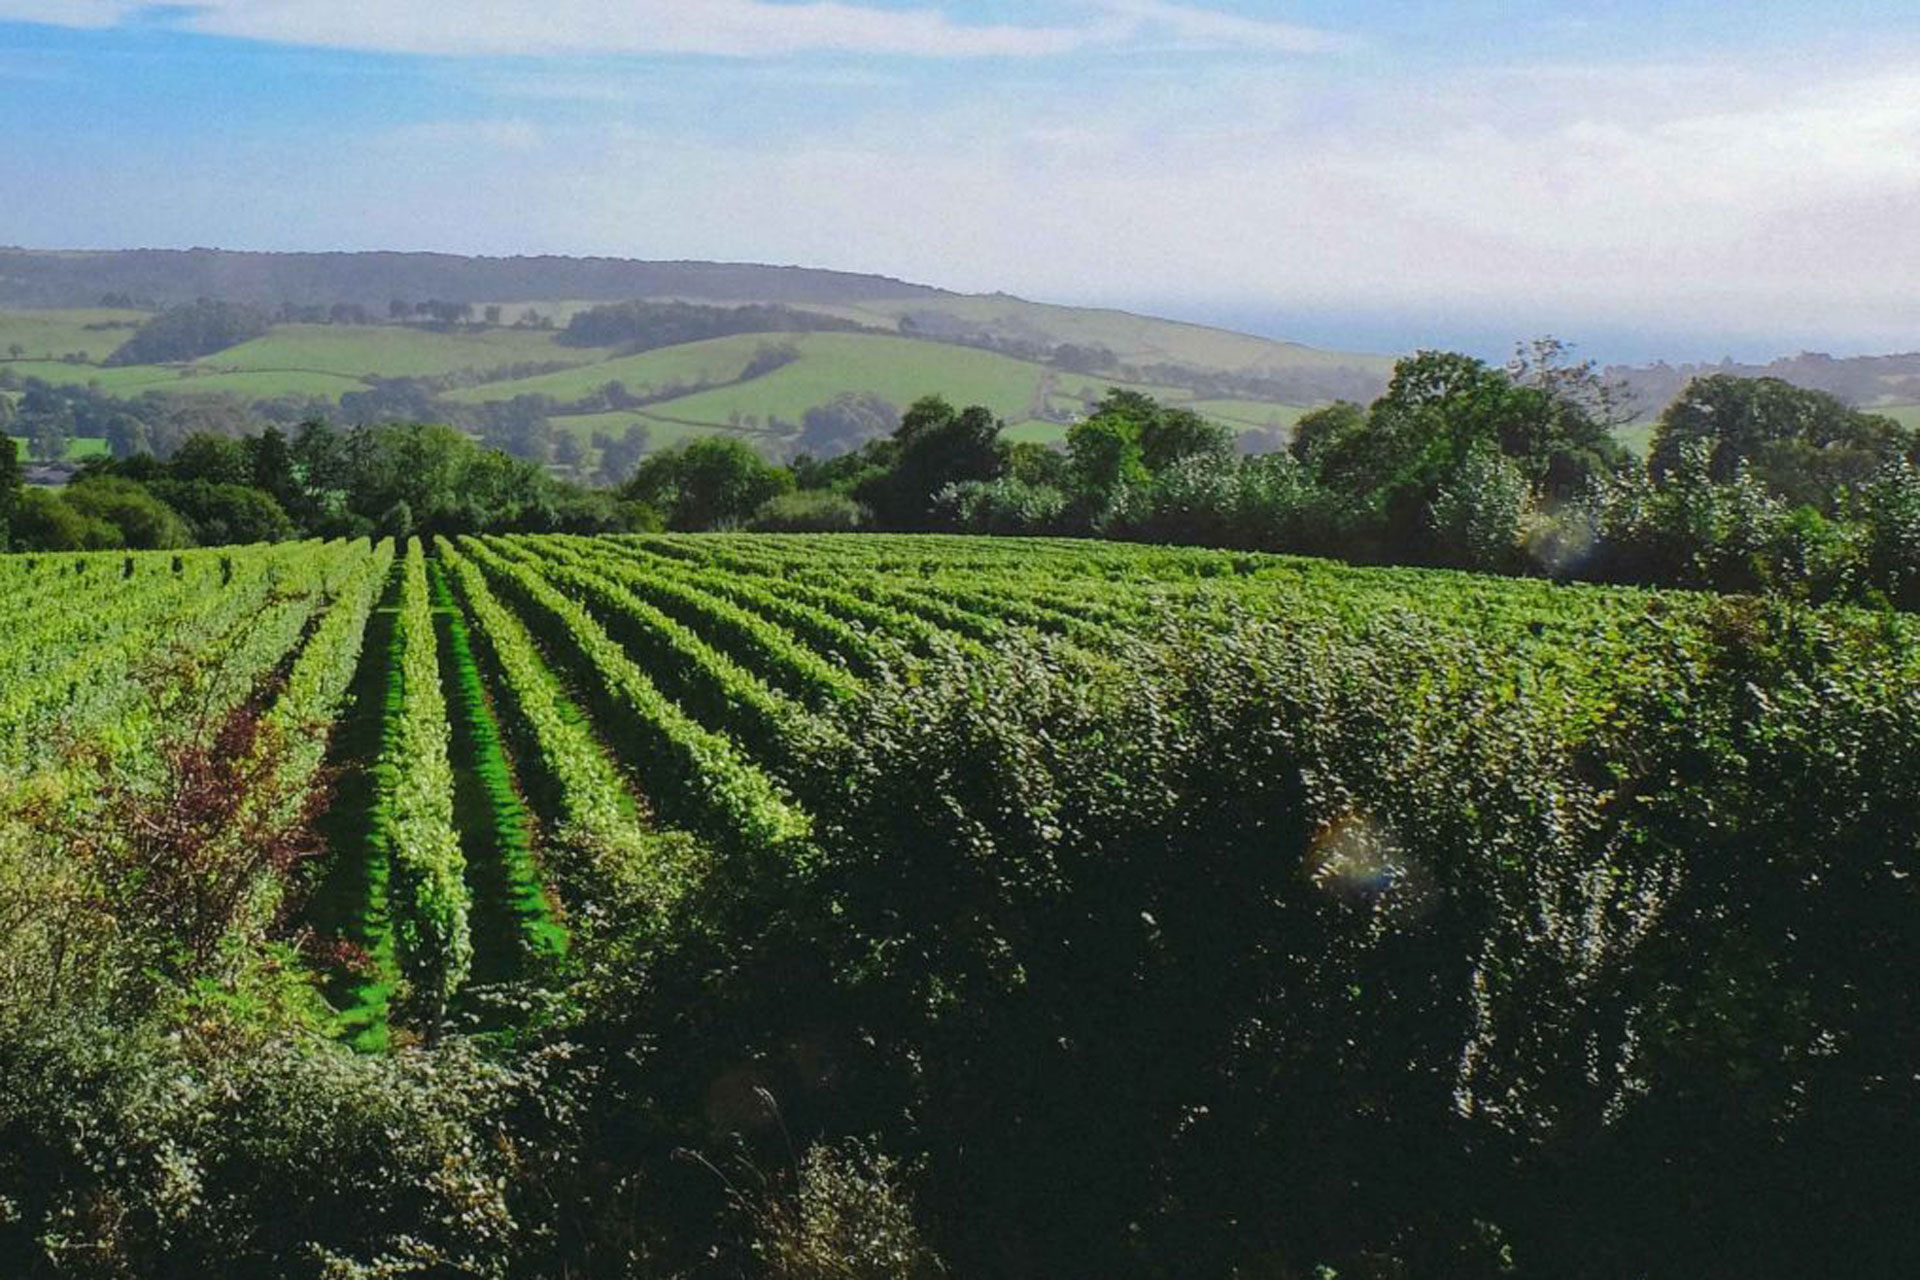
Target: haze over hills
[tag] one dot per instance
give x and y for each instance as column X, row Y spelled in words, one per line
column 163, row 277
column 515, row 348
column 77, row 278
column 519, row 347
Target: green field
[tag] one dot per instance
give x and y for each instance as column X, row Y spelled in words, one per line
column 1907, row 415
column 261, row 384
column 1135, row 339
column 1035, row 431
column 1637, row 436
column 128, row 381
column 49, row 335
column 328, row 361
column 1249, row 414
column 898, row 370
column 394, row 351
column 78, row 447
column 661, row 434
column 691, row 364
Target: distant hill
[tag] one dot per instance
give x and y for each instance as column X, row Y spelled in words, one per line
column 560, row 287
column 711, row 347
column 81, row 278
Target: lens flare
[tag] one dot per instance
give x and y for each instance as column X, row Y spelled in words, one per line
column 1354, row 858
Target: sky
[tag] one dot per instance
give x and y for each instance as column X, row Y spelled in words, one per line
column 1684, row 180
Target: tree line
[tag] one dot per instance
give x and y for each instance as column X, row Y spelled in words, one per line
column 1750, row 484
column 393, row 480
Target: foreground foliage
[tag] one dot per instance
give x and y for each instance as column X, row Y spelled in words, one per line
column 999, row 907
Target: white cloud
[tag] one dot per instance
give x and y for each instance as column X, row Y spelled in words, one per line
column 1757, row 204
column 491, row 135
column 1188, row 26
column 1734, row 208
column 67, row 13
column 733, row 28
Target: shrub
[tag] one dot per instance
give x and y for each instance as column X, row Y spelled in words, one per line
column 808, row 511
column 44, row 522
column 1007, row 506
column 144, row 521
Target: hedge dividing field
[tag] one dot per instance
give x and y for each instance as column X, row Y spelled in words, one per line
column 913, row 905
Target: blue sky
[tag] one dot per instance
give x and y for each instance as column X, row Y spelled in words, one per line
column 1680, row 179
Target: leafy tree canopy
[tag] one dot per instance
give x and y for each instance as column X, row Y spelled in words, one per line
column 1805, row 446
column 710, row 483
column 187, row 333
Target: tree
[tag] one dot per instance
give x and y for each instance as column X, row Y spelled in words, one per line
column 710, row 483
column 1174, row 435
column 187, row 333
column 1104, row 452
column 1806, row 447
column 44, row 522
column 144, row 522
column 936, row 447
column 126, row 435
column 50, row 436
column 396, row 522
column 15, row 350
column 619, row 455
column 1547, row 364
column 1323, row 429
column 1165, row 436
column 1442, row 409
column 846, row 422
column 213, row 459
column 270, row 466
column 225, row 514
column 569, row 452
column 1888, row 509
column 1129, row 438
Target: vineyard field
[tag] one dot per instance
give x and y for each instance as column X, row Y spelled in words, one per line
column 932, row 841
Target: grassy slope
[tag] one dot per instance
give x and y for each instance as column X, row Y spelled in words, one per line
column 1637, row 436
column 716, row 360
column 393, row 351
column 52, row 334
column 1136, row 339
column 78, row 447
column 1249, row 414
column 328, row 360
column 660, row 434
column 899, row 370
column 129, row 381
column 263, row 384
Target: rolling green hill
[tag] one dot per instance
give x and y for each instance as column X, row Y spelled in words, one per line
column 691, row 364
column 51, row 335
column 1027, row 361
column 394, row 351
column 689, row 388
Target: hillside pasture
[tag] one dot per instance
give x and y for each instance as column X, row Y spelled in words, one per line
column 49, row 335
column 688, row 365
column 129, row 380
column 898, row 370
column 78, row 447
column 393, row 351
